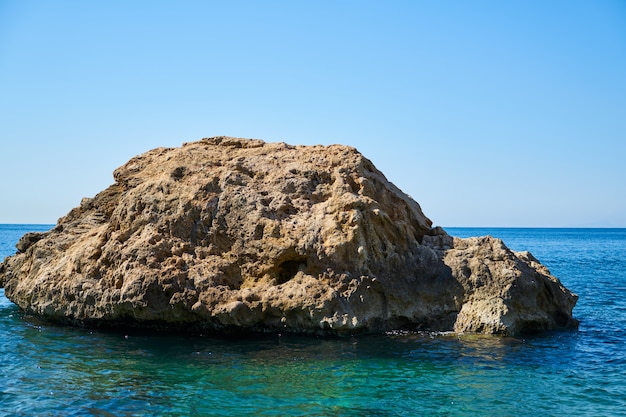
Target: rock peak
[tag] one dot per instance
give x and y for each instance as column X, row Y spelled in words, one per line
column 232, row 142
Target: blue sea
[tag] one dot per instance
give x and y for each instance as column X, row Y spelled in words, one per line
column 48, row 370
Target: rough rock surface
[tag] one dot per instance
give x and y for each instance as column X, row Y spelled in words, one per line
column 226, row 234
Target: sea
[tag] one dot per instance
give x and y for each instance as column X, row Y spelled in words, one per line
column 50, row 370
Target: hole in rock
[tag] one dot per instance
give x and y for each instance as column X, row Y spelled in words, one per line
column 178, row 173
column 288, row 269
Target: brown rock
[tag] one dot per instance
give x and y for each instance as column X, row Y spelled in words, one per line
column 227, row 234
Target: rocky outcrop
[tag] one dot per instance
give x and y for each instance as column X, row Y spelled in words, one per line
column 233, row 234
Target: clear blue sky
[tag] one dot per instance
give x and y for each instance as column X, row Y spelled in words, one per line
column 488, row 113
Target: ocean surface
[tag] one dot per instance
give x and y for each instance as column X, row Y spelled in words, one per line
column 47, row 370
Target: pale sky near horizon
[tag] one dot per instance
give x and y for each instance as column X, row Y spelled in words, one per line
column 488, row 113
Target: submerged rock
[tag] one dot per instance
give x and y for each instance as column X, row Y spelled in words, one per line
column 233, row 234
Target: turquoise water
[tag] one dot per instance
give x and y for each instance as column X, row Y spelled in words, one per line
column 50, row 370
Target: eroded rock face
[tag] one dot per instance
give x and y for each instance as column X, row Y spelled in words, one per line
column 226, row 233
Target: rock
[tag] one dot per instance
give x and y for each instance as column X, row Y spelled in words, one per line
column 506, row 292
column 27, row 241
column 228, row 234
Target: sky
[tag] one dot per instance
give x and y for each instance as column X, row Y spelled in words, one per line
column 488, row 113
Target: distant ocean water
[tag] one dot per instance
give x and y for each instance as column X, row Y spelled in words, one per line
column 47, row 370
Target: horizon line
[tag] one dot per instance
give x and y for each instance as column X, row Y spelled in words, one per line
column 444, row 227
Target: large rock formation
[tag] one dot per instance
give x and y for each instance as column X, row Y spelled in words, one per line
column 226, row 234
